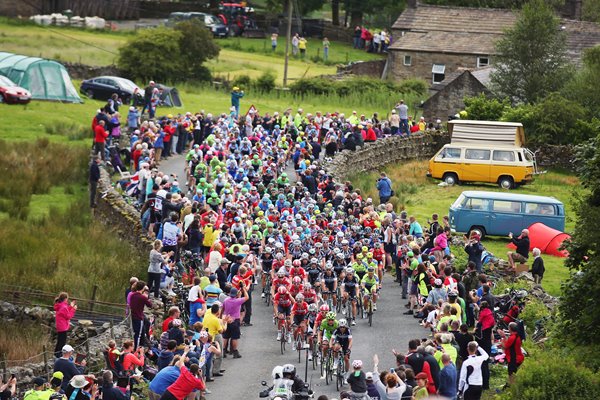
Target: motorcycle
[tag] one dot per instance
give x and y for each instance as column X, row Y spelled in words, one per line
column 282, row 390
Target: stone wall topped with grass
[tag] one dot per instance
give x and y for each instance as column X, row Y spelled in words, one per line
column 376, row 155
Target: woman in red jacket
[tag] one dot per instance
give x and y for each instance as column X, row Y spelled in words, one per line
column 512, row 350
column 64, row 312
column 485, row 325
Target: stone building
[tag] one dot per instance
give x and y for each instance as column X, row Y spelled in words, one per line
column 432, row 42
column 447, row 97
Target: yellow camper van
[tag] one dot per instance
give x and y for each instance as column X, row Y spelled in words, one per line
column 484, row 151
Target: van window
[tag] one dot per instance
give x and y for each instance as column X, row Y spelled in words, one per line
column 458, row 203
column 477, row 204
column 539, row 209
column 450, row 152
column 473, row 154
column 504, row 155
column 507, row 206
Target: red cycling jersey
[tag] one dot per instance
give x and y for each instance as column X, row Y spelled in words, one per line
column 310, row 296
column 300, row 308
column 284, row 300
column 298, row 271
column 281, row 282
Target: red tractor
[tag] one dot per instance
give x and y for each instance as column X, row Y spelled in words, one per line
column 239, row 18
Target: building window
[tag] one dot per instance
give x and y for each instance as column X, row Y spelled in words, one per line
column 408, row 61
column 483, row 62
column 438, row 72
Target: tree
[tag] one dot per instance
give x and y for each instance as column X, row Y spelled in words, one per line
column 583, row 87
column 151, row 55
column 531, row 55
column 357, row 9
column 196, row 46
column 580, row 314
column 169, row 55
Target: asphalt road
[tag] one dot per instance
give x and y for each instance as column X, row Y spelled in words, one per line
column 261, row 352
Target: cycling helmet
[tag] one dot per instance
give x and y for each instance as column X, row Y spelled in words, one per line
column 297, row 242
column 313, row 308
column 318, row 245
column 307, row 286
column 281, row 273
column 369, row 255
column 345, row 242
column 289, row 371
column 299, row 297
column 314, row 261
column 268, row 250
column 340, row 255
column 359, row 256
column 324, row 307
column 356, row 364
column 453, row 294
column 297, row 263
column 349, row 270
column 305, row 256
column 329, row 266
column 364, row 249
column 343, row 323
column 312, row 251
column 330, row 316
column 287, row 263
column 277, row 372
column 282, row 290
column 370, row 269
column 340, row 234
column 297, row 280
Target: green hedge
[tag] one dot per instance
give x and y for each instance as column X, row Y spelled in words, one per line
column 347, row 87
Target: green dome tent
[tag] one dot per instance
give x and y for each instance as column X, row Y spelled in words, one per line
column 45, row 79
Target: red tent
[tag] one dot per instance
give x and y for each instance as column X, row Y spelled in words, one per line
column 547, row 239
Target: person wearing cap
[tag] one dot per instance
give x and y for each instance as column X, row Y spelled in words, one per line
column 357, row 381
column 236, row 95
column 65, row 365
column 55, row 385
column 231, row 308
column 212, row 290
column 209, row 350
column 474, row 249
column 420, row 391
column 40, row 390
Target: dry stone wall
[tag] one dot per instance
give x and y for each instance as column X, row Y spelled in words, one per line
column 385, row 151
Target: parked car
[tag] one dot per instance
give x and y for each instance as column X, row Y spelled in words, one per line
column 497, row 213
column 214, row 24
column 11, row 93
column 102, row 87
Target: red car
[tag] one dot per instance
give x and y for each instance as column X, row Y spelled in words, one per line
column 10, row 93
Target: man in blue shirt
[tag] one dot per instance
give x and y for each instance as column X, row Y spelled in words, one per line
column 165, row 378
column 384, row 186
column 447, row 387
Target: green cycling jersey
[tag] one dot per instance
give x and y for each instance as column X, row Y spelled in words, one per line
column 328, row 329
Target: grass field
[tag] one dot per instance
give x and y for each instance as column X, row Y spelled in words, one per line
column 421, row 197
column 238, row 55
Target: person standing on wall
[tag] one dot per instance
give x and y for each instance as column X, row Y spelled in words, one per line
column 236, row 95
column 64, row 312
column 403, row 114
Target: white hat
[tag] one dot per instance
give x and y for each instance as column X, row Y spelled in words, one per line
column 67, row 349
column 79, row 382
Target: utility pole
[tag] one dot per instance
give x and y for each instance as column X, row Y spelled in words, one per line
column 288, row 37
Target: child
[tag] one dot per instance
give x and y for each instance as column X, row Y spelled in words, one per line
column 357, row 380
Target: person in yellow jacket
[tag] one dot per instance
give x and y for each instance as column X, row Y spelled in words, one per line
column 211, row 234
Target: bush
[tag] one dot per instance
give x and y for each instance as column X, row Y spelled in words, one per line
column 357, row 85
column 534, row 311
column 482, row 108
column 547, row 376
column 265, row 82
column 242, row 81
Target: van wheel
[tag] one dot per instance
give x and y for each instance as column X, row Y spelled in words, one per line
column 450, row 178
column 506, row 182
column 480, row 230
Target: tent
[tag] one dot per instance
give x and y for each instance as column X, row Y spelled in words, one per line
column 45, row 79
column 170, row 96
column 547, row 239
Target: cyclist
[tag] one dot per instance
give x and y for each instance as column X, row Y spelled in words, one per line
column 330, row 284
column 342, row 339
column 314, row 272
column 323, row 310
column 379, row 258
column 299, row 314
column 297, row 270
column 296, row 286
column 370, row 285
column 310, row 296
column 267, row 265
column 360, row 265
column 326, row 329
column 311, row 319
column 283, row 301
column 350, row 292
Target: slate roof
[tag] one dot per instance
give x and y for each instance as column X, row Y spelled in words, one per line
column 466, row 30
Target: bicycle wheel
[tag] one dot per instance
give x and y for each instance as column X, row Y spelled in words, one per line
column 370, row 312
column 315, row 355
column 339, row 381
column 322, row 358
column 299, row 346
column 329, row 368
column 283, row 338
